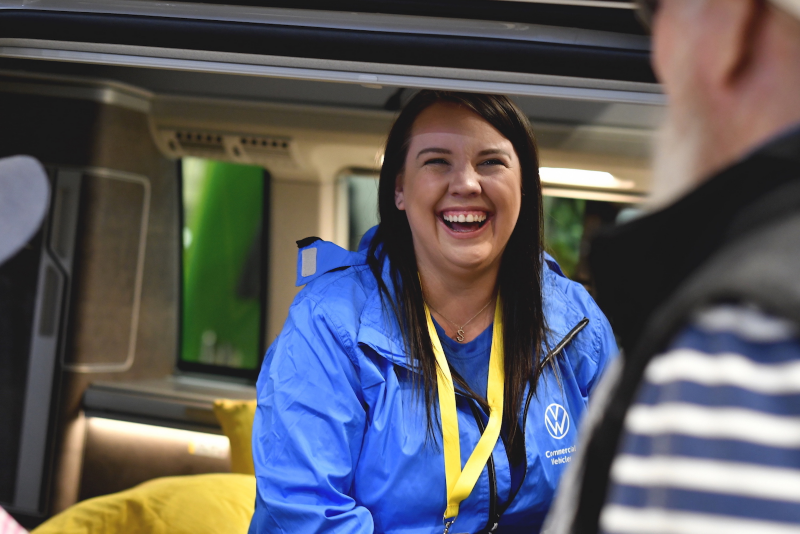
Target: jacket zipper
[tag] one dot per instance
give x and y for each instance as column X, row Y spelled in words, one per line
column 551, row 356
column 494, row 519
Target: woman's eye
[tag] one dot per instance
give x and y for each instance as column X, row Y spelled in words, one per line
column 494, row 161
column 436, row 161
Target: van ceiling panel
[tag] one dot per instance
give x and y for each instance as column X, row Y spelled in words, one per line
column 552, row 109
column 310, row 130
column 543, row 51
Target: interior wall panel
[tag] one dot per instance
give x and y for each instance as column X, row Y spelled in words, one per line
column 80, row 133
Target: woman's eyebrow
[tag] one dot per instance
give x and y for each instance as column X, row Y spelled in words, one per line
column 494, row 151
column 435, row 150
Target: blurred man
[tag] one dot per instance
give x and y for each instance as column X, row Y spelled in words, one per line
column 698, row 430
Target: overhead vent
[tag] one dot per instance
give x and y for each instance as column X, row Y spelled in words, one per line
column 194, row 141
column 270, row 144
column 271, row 151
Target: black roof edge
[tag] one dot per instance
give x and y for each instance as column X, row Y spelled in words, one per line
column 612, row 18
column 335, row 44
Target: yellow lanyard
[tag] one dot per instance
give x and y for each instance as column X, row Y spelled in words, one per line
column 460, row 483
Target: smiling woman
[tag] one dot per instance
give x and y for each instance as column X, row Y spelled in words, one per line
column 459, row 168
column 451, row 154
column 450, row 331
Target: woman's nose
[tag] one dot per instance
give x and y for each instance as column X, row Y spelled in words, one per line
column 465, row 182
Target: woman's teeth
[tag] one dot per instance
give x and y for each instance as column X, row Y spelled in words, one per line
column 465, row 221
column 461, row 217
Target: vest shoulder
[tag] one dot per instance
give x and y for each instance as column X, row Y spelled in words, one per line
column 760, row 267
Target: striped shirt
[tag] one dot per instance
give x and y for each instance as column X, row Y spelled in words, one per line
column 712, row 443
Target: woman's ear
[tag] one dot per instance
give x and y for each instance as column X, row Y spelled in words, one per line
column 399, row 199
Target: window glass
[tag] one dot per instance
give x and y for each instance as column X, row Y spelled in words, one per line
column 563, row 230
column 223, row 282
column 362, row 201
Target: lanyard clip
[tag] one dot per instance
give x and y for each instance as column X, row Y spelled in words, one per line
column 448, row 524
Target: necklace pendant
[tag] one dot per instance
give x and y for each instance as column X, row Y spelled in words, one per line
column 460, row 335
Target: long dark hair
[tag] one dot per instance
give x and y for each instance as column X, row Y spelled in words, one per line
column 519, row 279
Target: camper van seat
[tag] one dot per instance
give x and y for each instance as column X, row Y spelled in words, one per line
column 210, row 503
column 216, row 503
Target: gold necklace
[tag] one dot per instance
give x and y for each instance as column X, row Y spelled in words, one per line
column 460, row 329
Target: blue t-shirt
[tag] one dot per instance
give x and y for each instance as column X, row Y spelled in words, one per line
column 470, row 360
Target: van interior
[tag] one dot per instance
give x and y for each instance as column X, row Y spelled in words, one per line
column 181, row 182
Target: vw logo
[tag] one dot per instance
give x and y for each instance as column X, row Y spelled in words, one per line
column 556, row 420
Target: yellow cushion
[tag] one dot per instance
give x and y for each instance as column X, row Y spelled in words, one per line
column 217, row 503
column 236, row 419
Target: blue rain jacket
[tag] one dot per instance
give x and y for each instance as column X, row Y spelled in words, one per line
column 339, row 437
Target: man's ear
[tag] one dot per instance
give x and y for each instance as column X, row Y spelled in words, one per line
column 747, row 21
column 399, row 198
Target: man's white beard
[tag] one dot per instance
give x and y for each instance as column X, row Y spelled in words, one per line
column 676, row 160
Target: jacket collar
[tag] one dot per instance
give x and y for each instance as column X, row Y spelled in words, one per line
column 638, row 265
column 317, row 257
column 378, row 329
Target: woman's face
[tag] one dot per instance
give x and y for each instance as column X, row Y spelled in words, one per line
column 461, row 190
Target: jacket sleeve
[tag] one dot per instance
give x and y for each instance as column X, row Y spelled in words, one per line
column 308, row 429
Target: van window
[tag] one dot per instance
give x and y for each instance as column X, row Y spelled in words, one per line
column 563, row 230
column 222, row 278
column 362, row 205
